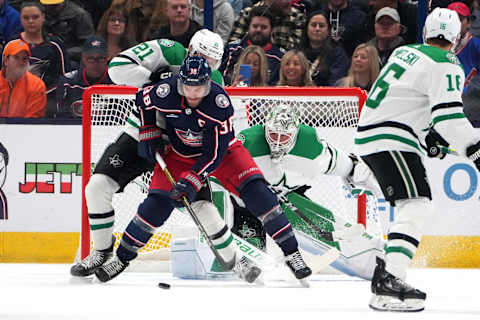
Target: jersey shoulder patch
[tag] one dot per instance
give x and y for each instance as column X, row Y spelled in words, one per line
column 222, row 101
column 163, row 90
column 166, row 42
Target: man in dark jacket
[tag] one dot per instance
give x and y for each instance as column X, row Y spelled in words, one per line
column 260, row 34
column 94, row 70
column 69, row 22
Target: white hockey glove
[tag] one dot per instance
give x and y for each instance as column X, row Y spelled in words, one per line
column 362, row 177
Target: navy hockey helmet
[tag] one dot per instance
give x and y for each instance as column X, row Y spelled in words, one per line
column 194, row 71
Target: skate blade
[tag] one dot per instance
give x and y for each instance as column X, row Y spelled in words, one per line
column 304, row 283
column 387, row 303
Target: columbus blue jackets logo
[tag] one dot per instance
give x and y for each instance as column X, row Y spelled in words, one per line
column 222, row 101
column 77, row 108
column 163, row 90
column 189, row 137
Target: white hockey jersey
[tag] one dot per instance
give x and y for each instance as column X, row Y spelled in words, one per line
column 420, row 86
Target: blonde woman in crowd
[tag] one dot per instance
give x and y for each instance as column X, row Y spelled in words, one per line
column 256, row 58
column 113, row 28
column 295, row 70
column 364, row 68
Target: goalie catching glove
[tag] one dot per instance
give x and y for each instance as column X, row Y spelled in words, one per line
column 188, row 186
column 473, row 153
column 150, row 141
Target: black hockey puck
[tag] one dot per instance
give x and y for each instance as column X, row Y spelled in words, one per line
column 163, row 285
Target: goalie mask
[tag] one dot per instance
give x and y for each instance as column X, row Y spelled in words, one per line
column 281, row 129
column 443, row 24
column 209, row 45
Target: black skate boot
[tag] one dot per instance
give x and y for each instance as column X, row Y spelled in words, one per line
column 393, row 294
column 111, row 269
column 299, row 268
column 94, row 260
column 247, row 270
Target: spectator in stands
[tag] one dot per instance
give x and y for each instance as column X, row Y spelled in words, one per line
column 10, row 25
column 468, row 46
column 295, row 70
column 364, row 69
column 144, row 17
column 180, row 27
column 22, row 94
column 70, row 23
column 329, row 60
column 347, row 23
column 475, row 21
column 387, row 33
column 260, row 34
column 49, row 59
column 92, row 71
column 223, row 16
column 255, row 57
column 287, row 26
column 113, row 28
column 468, row 52
column 407, row 11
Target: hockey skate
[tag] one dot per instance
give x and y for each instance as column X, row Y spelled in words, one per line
column 111, row 269
column 296, row 264
column 94, row 260
column 246, row 270
column 393, row 294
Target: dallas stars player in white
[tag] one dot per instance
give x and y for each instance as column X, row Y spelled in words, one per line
column 142, row 64
column 421, row 86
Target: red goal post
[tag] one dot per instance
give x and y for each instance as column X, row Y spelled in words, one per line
column 332, row 110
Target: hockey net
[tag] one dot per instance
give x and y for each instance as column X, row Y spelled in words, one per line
column 332, row 111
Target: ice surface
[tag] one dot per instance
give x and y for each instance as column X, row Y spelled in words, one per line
column 47, row 291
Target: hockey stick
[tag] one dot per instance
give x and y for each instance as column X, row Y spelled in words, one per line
column 223, row 263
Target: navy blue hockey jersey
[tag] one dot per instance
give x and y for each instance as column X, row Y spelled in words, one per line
column 70, row 89
column 204, row 132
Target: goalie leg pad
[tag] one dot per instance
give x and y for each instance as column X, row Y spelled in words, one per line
column 405, row 233
column 152, row 213
column 263, row 203
column 216, row 229
column 99, row 193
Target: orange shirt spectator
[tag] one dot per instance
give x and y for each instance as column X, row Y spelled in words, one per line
column 22, row 94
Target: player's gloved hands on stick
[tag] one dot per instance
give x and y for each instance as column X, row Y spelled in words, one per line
column 435, row 142
column 188, row 186
column 473, row 153
column 150, row 141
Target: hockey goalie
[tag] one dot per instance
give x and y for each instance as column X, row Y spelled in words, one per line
column 293, row 157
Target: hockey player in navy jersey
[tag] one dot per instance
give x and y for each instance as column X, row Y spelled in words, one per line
column 143, row 64
column 198, row 116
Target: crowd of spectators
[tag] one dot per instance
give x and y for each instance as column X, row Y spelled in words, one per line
column 68, row 43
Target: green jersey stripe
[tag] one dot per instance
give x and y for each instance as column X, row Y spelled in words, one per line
column 438, row 119
column 388, row 137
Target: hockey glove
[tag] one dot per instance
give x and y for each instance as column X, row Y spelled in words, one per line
column 473, row 153
column 150, row 142
column 187, row 186
column 435, row 142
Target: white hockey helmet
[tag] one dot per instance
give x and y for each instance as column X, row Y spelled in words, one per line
column 209, row 44
column 443, row 24
column 281, row 129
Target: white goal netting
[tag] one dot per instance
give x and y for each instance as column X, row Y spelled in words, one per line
column 332, row 111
